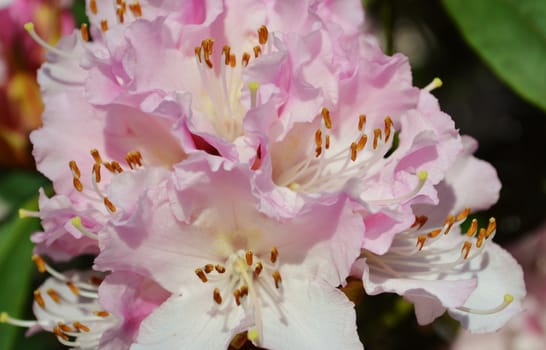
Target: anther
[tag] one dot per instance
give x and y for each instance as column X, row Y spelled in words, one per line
column 463, row 215
column 96, row 171
column 388, row 124
column 96, row 156
column 109, row 205
column 84, row 31
column 39, row 299
column 376, row 137
column 491, row 227
column 64, row 327
column 263, row 34
column 420, row 221
column 449, row 223
column 258, row 269
column 121, row 15
column 226, row 51
column 434, row 233
column 199, row 272
column 466, row 249
column 327, row 142
column 209, row 268
column 361, row 122
column 72, row 286
column 104, row 25
column 59, row 333
column 473, row 228
column 101, row 313
column 40, row 263
column 421, row 241
column 95, row 280
column 136, row 10
column 274, row 255
column 198, row 53
column 93, row 7
column 249, row 257
column 54, row 295
column 244, row 290
column 257, row 51
column 481, row 236
column 77, row 184
column 232, row 61
column 245, row 59
column 74, row 168
column 318, row 138
column 80, row 327
column 237, row 296
column 326, row 117
column 354, row 151
column 277, row 277
column 217, row 297
column 219, row 268
column 362, row 143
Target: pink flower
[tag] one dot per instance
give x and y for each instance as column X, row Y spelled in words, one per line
column 435, row 267
column 234, row 268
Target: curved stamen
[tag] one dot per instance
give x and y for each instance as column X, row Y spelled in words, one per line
column 508, row 299
column 29, row 27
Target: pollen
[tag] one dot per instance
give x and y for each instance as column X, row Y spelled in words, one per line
column 388, row 125
column 376, row 137
column 463, row 215
column 257, row 51
column 64, row 327
column 491, row 228
column 109, row 205
column 219, row 268
column 96, row 171
column 136, row 9
column 361, row 122
column 249, row 257
column 473, row 228
column 209, row 268
column 245, row 59
column 134, row 159
column 258, row 269
column 326, row 117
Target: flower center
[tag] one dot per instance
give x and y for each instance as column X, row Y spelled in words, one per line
column 248, row 277
column 222, row 87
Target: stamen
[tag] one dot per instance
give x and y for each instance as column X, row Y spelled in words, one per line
column 434, row 84
column 326, row 117
column 354, row 151
column 263, row 34
column 327, row 142
column 249, row 257
column 54, row 295
column 481, row 238
column 435, row 233
column 361, row 143
column 421, row 241
column 491, row 228
column 84, row 32
column 376, row 137
column 217, row 297
column 40, row 263
column 237, row 296
column 120, row 12
column 420, row 221
column 508, row 299
column 104, row 25
column 466, row 249
column 258, row 269
column 199, row 272
column 257, row 51
column 93, row 6
column 72, row 286
column 134, row 159
column 388, row 125
column 209, row 268
column 245, row 59
column 361, row 122
column 472, row 228
column 219, row 268
column 101, row 313
column 64, row 327
column 96, row 171
column 59, row 333
column 277, row 277
column 109, row 205
column 135, row 8
column 244, row 290
column 81, row 327
column 5, row 318
column 77, row 184
column 274, row 255
column 39, row 299
column 74, row 168
column 29, row 27
column 463, row 215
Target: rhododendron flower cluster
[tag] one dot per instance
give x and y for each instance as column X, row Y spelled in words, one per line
column 230, row 164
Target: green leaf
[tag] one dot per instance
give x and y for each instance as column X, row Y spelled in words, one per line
column 16, row 269
column 510, row 36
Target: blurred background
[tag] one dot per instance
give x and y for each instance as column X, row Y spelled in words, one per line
column 490, row 55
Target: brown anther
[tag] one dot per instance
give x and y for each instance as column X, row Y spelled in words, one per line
column 420, row 221
column 376, row 137
column 54, row 295
column 263, row 34
column 96, row 156
column 96, row 171
column 208, row 62
column 64, row 327
column 77, row 184
column 226, row 51
column 117, row 168
column 109, row 205
column 481, row 236
column 245, row 59
column 59, row 333
column 362, row 143
column 318, row 151
column 421, row 241
column 232, row 61
column 354, row 151
column 277, row 277
column 101, row 313
column 472, row 228
column 466, row 249
column 491, row 227
column 84, row 31
column 73, row 288
column 81, row 327
column 217, row 297
column 40, row 263
column 463, row 215
column 198, row 53
column 237, row 296
column 244, row 290
column 449, row 223
column 93, row 6
column 39, row 299
column 434, row 233
column 219, row 268
column 96, row 280
column 74, row 168
column 274, row 255
column 120, row 12
column 207, row 45
column 199, row 272
column 257, row 51
column 327, row 142
column 108, row 166
column 134, row 159
column 209, row 268
column 388, row 125
column 104, row 25
column 258, row 269
column 326, row 117
column 249, row 257
column 361, row 122
column 135, row 8
column 318, row 138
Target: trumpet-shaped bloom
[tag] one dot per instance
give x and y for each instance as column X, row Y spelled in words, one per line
column 234, row 268
column 432, row 265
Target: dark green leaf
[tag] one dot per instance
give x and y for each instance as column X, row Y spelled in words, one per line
column 510, row 36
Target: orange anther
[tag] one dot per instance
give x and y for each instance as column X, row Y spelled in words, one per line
column 388, row 125
column 326, row 118
column 81, row 327
column 199, row 272
column 481, row 236
column 257, row 51
column 277, row 278
column 59, row 333
column 376, row 137
column 274, row 255
column 420, row 221
column 120, row 12
column 466, row 249
column 109, row 205
column 421, row 241
column 463, row 215
column 54, row 295
column 96, row 156
column 249, row 257
column 96, row 171
column 74, row 168
column 327, row 142
column 39, row 299
column 198, row 53
column 263, row 34
column 135, row 8
column 361, row 143
column 258, row 269
column 64, row 327
column 77, row 184
column 40, row 263
column 318, row 138
column 491, row 227
column 361, row 122
column 226, row 51
column 232, row 61
column 219, row 268
column 449, row 223
column 217, row 297
column 104, row 25
column 84, row 31
column 209, row 268
column 434, row 233
column 237, row 296
column 244, row 290
column 101, row 313
column 93, row 6
column 245, row 59
column 354, row 151
column 472, row 228
column 73, row 288
column 96, row 280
